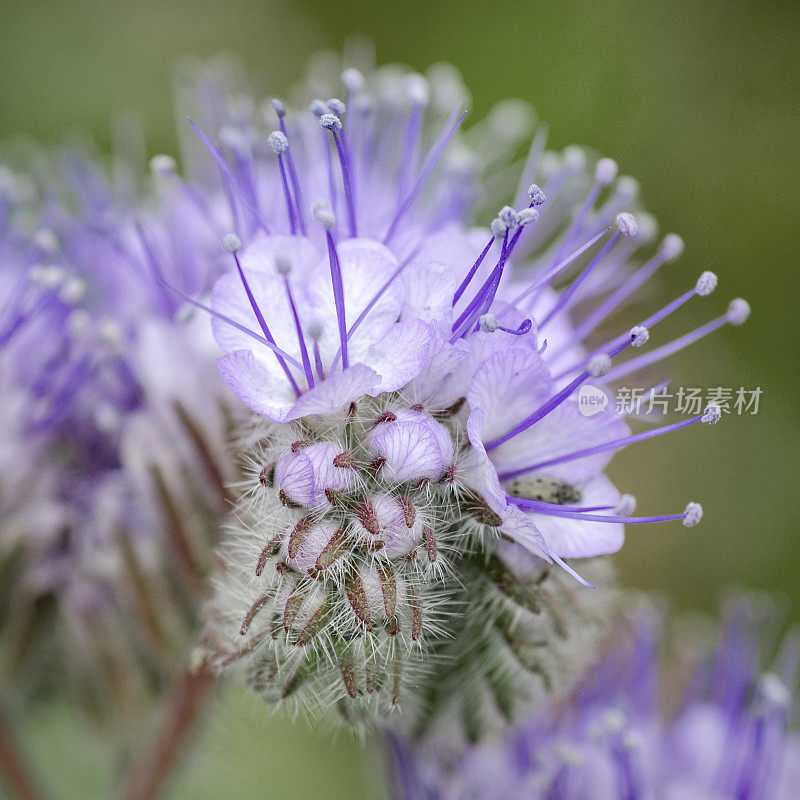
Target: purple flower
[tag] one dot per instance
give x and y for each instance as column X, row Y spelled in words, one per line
column 710, row 726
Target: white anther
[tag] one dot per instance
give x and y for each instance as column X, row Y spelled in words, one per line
column 671, row 247
column 78, row 322
column 279, row 108
column 231, row 242
column 738, row 311
column 509, row 217
column 627, row 224
column 626, row 506
column 337, row 107
column 605, row 171
column 774, row 691
column 712, row 414
column 278, row 142
column 318, row 108
column 73, row 290
column 110, row 332
column 353, row 80
column 163, row 165
column 640, row 335
column 574, row 158
column 599, row 365
column 648, row 227
column 45, row 240
column 499, row 228
column 315, row 329
column 527, row 216
column 49, row 276
column 706, row 284
column 323, row 214
column 417, row 90
column 283, row 264
column 488, row 323
column 693, row 514
column 627, row 188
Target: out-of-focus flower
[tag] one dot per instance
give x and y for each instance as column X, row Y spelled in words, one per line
column 703, row 726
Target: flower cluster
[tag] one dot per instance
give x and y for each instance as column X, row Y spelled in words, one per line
column 414, row 383
column 707, row 725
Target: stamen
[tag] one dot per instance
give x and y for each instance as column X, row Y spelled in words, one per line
column 318, row 109
column 471, row 274
column 670, row 249
column 332, row 123
column 400, row 267
column 223, row 165
column 435, row 154
column 324, row 215
column 691, row 516
column 710, row 416
column 280, row 112
column 283, row 267
column 232, row 244
column 705, row 285
column 557, row 399
column 737, row 314
column 626, row 225
column 279, row 144
column 418, row 94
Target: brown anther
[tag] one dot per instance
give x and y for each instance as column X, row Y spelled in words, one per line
column 430, row 543
column 417, row 407
column 345, row 460
column 368, row 517
column 409, row 512
column 300, row 444
column 386, row 416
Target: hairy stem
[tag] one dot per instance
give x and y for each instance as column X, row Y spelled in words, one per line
column 149, row 774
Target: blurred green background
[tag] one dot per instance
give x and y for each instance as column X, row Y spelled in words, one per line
column 698, row 100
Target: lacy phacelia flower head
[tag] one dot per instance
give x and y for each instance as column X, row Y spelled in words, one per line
column 631, row 730
column 415, row 379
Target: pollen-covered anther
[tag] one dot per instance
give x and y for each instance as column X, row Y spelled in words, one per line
column 639, row 335
column 692, row 515
column 231, row 242
column 706, row 284
column 599, row 365
column 509, row 217
column 738, row 311
column 712, row 414
column 527, row 216
column 536, row 195
column 353, row 79
column 488, row 323
column 627, row 224
column 330, row 122
column 278, row 142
